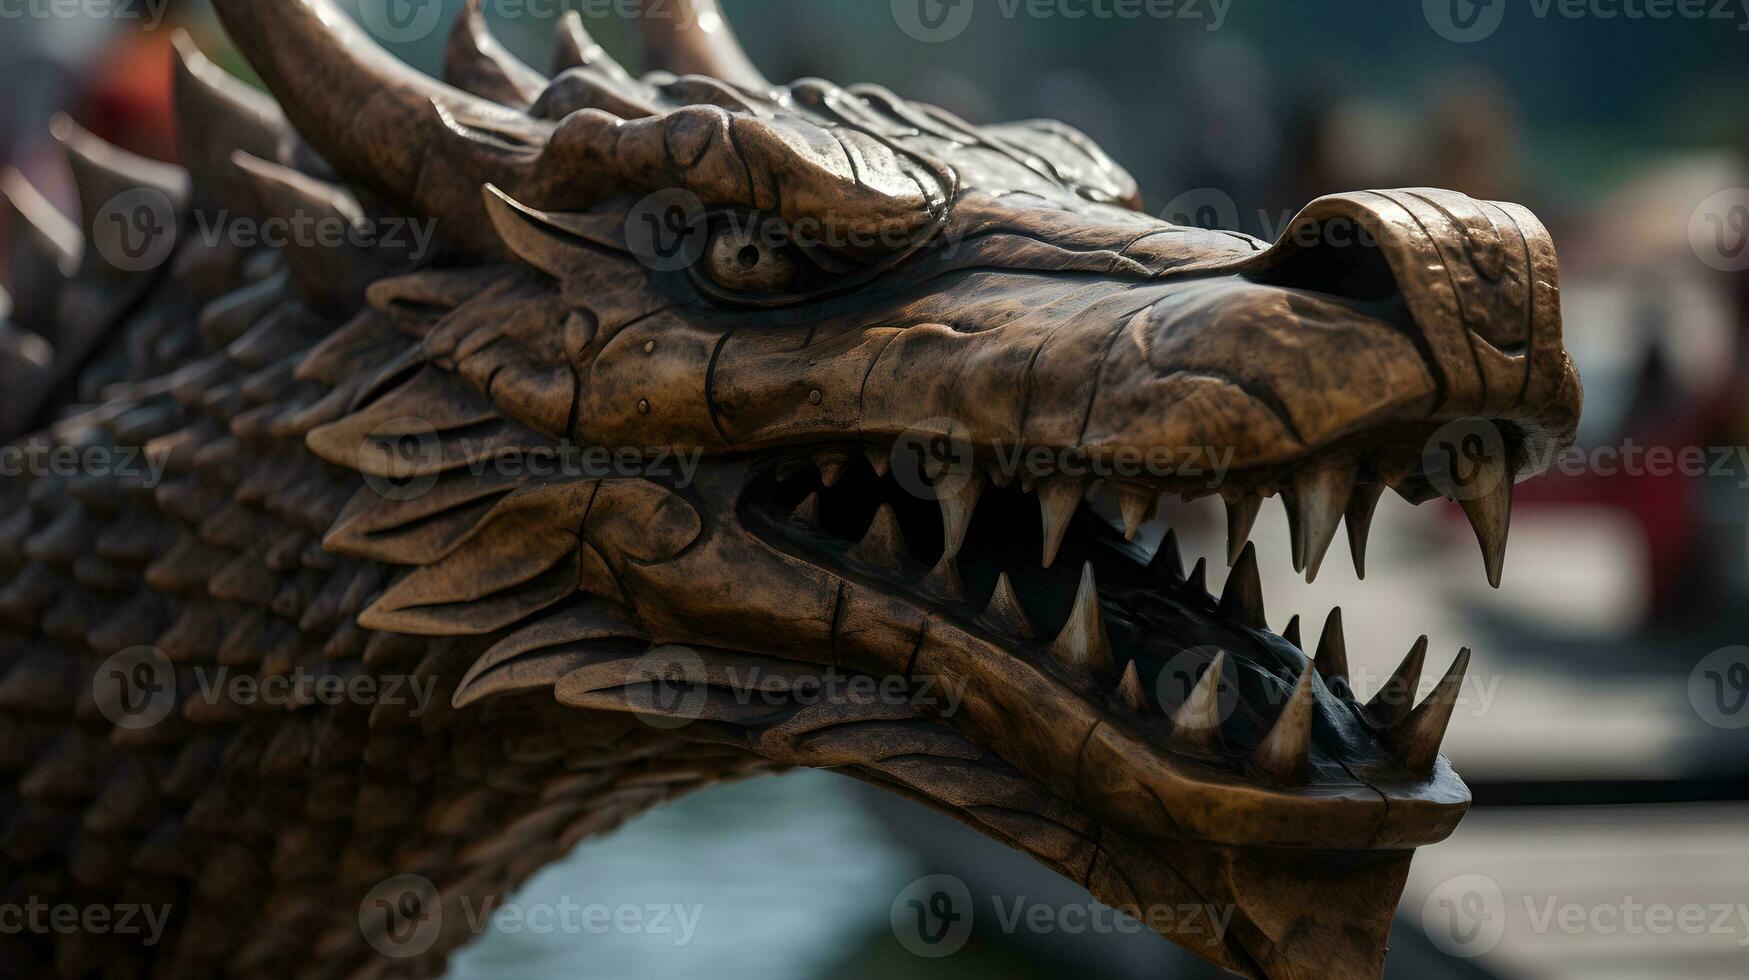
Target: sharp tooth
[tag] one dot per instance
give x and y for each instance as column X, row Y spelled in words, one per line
column 1242, row 599
column 943, row 582
column 883, row 546
column 1197, row 722
column 808, row 514
column 880, row 460
column 1296, row 541
column 1136, row 506
column 1058, row 497
column 1082, row 642
column 790, row 467
column 1129, row 688
column 831, row 463
column 1332, row 658
column 1415, row 741
column 1001, row 477
column 1004, row 614
column 1491, row 513
column 1359, row 521
column 1292, row 633
column 1394, row 701
column 1167, row 562
column 1321, row 495
column 957, row 492
column 1286, row 750
column 1241, row 516
column 1198, row 580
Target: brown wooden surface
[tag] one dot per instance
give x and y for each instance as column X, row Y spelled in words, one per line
column 590, row 639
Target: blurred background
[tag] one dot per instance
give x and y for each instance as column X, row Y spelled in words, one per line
column 1605, row 730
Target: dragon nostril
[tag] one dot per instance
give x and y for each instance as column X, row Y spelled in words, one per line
column 1344, row 263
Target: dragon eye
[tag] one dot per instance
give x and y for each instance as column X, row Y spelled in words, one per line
column 740, row 260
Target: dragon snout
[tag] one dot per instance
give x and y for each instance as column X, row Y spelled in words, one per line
column 1334, row 363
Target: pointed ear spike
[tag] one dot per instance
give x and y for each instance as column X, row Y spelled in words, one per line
column 327, row 277
column 1292, row 632
column 1416, row 739
column 103, row 172
column 381, row 122
column 46, row 251
column 218, row 115
column 476, row 62
column 576, row 49
column 692, row 37
column 528, row 234
column 1286, row 751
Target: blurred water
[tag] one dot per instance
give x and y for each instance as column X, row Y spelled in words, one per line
column 779, row 872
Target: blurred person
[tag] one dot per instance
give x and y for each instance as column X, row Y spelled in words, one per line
column 1471, row 142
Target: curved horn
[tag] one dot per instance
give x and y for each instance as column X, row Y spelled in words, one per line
column 411, row 138
column 476, row 62
column 692, row 37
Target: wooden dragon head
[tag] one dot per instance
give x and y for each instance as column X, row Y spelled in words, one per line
column 893, row 352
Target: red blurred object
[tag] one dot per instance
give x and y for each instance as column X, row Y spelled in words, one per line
column 129, row 99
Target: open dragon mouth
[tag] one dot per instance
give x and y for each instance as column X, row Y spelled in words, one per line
column 1055, row 572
